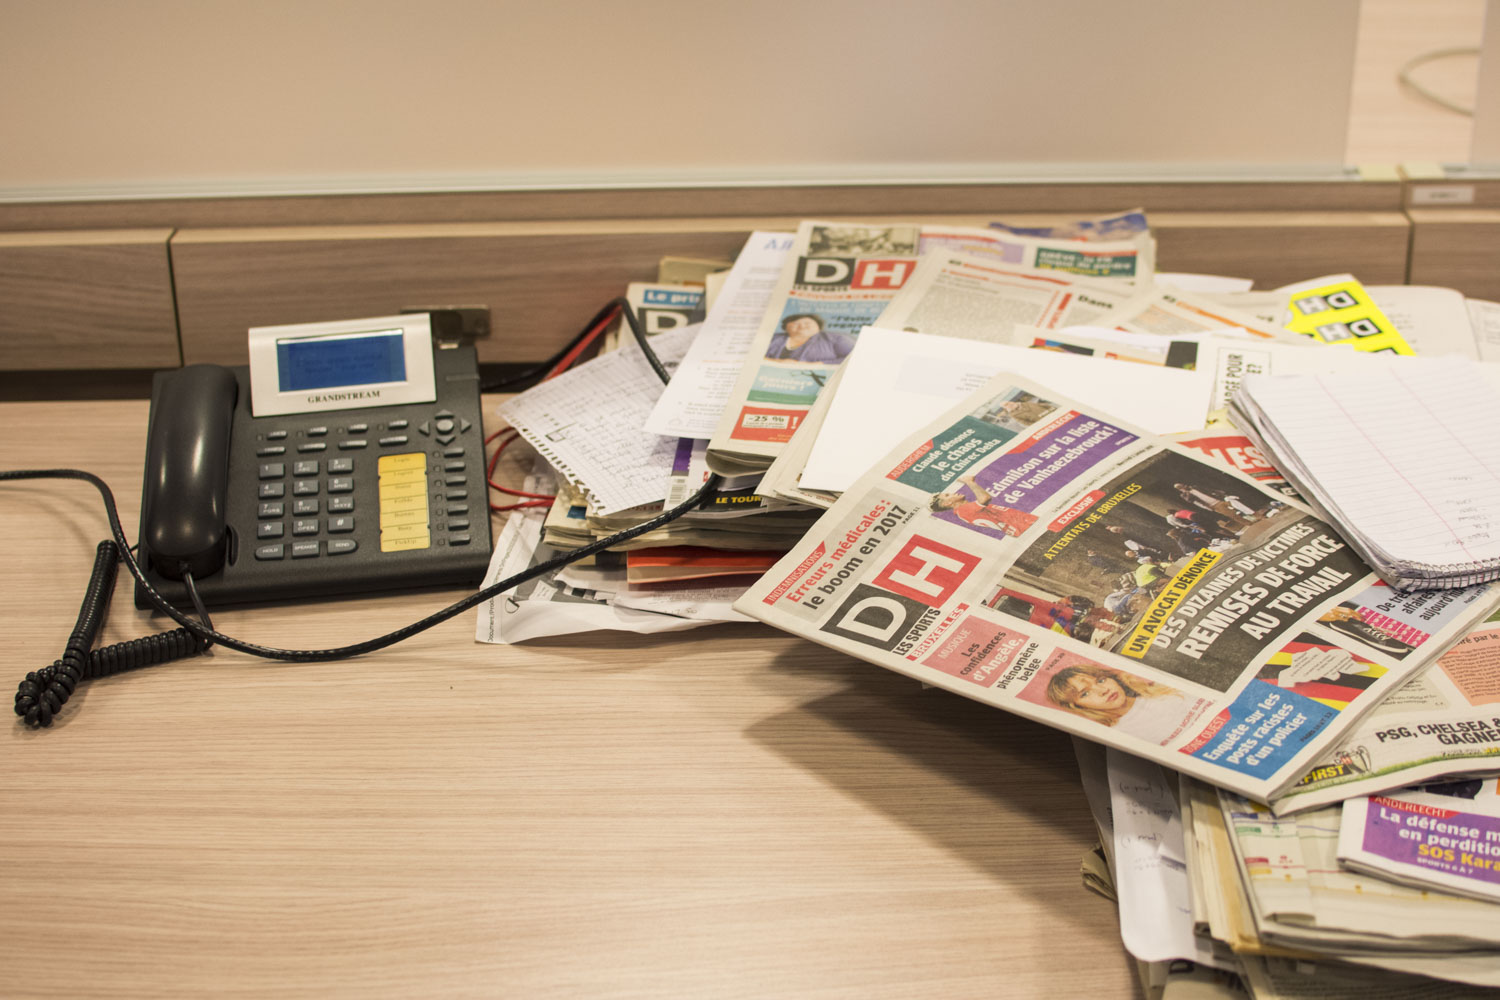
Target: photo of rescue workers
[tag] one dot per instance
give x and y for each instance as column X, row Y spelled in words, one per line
column 1240, row 564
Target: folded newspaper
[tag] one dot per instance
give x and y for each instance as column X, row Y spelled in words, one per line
column 1084, row 573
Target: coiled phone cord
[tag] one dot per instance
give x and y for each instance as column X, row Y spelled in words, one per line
column 43, row 691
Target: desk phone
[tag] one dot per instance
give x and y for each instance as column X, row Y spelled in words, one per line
column 360, row 494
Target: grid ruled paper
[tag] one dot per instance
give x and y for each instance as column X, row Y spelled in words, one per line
column 1407, row 456
column 590, row 423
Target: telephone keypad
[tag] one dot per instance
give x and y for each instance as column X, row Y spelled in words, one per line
column 445, row 473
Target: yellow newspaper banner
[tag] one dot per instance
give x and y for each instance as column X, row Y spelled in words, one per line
column 1172, row 595
column 1344, row 313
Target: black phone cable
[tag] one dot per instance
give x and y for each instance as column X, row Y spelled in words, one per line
column 43, row 693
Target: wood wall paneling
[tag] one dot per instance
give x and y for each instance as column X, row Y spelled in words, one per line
column 542, row 280
column 1278, row 248
column 1457, row 248
column 542, row 283
column 86, row 300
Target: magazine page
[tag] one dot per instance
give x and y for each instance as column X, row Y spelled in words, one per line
column 1127, row 259
column 1086, row 574
column 1440, row 836
column 836, row 279
column 978, row 298
column 1445, row 721
column 1171, row 313
column 1104, row 227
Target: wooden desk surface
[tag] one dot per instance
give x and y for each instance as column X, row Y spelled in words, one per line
column 734, row 813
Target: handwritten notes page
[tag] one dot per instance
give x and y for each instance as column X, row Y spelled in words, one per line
column 590, row 424
column 1156, row 914
column 1403, row 457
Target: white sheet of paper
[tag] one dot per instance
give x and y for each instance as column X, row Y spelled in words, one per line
column 1434, row 321
column 894, row 382
column 1151, row 880
column 1209, row 283
column 1484, row 317
column 590, row 423
column 704, row 381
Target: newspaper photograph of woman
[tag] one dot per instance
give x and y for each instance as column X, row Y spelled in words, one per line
column 1126, row 702
column 1214, row 568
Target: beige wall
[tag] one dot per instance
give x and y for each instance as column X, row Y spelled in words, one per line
column 185, row 96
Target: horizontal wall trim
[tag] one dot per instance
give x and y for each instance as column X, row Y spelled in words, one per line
column 899, row 174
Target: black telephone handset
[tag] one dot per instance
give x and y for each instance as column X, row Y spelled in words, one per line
column 185, row 497
column 311, row 505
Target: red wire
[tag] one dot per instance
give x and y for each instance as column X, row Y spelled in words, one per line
column 566, row 362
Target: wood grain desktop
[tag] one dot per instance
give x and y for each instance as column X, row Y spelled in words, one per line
column 728, row 812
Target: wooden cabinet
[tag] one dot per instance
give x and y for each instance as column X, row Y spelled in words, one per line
column 88, row 299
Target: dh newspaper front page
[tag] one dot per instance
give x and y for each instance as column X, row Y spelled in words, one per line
column 1029, row 553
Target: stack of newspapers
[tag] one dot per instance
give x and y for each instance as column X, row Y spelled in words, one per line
column 1401, row 457
column 1269, row 902
column 1004, row 463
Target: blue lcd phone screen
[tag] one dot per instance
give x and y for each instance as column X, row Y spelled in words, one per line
column 340, row 361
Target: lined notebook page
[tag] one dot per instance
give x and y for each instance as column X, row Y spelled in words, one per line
column 1408, row 454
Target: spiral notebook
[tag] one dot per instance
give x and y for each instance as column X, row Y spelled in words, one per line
column 1403, row 458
